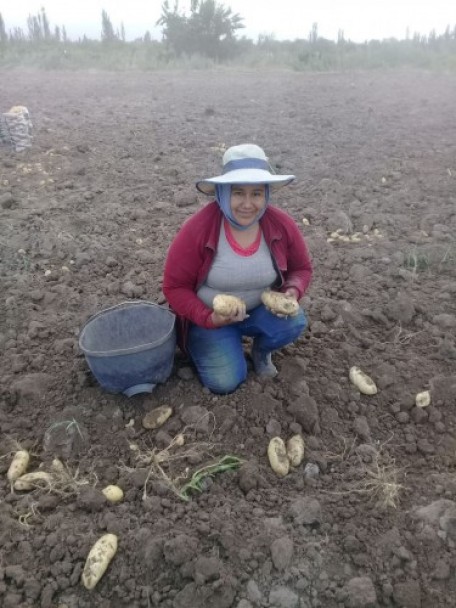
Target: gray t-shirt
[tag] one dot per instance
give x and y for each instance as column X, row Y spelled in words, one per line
column 243, row 276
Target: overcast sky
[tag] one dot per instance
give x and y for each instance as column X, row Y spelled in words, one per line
column 286, row 19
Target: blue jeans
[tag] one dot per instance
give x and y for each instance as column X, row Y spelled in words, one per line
column 218, row 354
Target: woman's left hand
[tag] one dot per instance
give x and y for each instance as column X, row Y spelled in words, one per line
column 292, row 292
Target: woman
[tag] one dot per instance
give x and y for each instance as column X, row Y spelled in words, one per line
column 240, row 245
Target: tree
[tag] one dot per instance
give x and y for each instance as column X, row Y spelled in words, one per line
column 45, row 25
column 122, row 31
column 107, row 30
column 313, row 34
column 209, row 29
column 3, row 34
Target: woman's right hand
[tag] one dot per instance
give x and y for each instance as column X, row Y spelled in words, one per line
column 236, row 317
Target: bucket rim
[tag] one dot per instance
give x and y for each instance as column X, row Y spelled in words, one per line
column 133, row 349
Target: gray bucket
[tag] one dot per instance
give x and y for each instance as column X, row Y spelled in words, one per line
column 130, row 347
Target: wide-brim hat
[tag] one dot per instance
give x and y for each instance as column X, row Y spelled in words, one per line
column 245, row 164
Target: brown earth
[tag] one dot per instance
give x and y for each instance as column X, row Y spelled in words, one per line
column 96, row 201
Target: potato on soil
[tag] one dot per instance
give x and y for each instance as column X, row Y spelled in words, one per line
column 295, row 450
column 362, row 381
column 31, row 481
column 226, row 305
column 157, row 417
column 113, row 493
column 280, row 303
column 278, row 458
column 423, row 399
column 98, row 560
column 18, row 465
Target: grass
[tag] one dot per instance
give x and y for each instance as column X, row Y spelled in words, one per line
column 437, row 258
column 182, row 483
column 381, row 484
column 379, row 480
column 416, row 261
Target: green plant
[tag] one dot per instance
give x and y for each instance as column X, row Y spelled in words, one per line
column 416, row 260
column 196, row 483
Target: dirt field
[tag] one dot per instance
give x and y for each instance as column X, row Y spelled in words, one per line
column 86, row 218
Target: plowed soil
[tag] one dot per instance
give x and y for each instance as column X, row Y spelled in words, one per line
column 87, row 213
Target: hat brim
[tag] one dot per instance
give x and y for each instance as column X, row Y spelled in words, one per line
column 246, row 177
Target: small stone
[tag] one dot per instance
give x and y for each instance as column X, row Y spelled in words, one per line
column 282, row 553
column 311, row 470
column 282, row 597
column 360, row 593
column 185, row 373
column 7, row 200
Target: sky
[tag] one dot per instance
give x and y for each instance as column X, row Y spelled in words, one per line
column 284, row 19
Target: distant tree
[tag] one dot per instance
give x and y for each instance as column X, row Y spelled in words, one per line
column 46, row 30
column 107, row 30
column 57, row 35
column 34, row 28
column 64, row 34
column 17, row 34
column 122, row 31
column 313, row 34
column 340, row 37
column 147, row 37
column 3, row 34
column 209, row 29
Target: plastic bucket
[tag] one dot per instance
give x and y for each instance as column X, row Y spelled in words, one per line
column 130, row 347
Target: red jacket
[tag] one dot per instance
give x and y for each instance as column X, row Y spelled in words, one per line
column 193, row 249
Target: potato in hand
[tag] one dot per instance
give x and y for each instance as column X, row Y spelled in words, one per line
column 279, row 303
column 226, row 305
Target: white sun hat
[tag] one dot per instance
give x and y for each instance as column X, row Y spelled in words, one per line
column 245, row 164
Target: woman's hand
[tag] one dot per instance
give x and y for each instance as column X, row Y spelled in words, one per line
column 292, row 292
column 282, row 305
column 237, row 315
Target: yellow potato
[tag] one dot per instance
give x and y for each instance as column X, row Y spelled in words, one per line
column 278, row 458
column 113, row 493
column 157, row 417
column 362, row 381
column 280, row 303
column 295, row 450
column 30, row 481
column 98, row 560
column 58, row 467
column 179, row 440
column 226, row 305
column 423, row 399
column 18, row 465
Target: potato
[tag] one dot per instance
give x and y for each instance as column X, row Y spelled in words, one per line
column 278, row 458
column 18, row 465
column 30, row 481
column 280, row 303
column 226, row 305
column 295, row 450
column 157, row 417
column 113, row 493
column 362, row 381
column 179, row 440
column 98, row 560
column 423, row 399
column 58, row 467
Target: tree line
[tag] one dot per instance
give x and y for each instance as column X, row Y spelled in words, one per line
column 210, row 30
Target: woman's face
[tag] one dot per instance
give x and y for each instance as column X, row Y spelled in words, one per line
column 247, row 202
